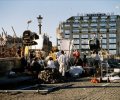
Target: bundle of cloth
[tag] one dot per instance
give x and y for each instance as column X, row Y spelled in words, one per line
column 76, row 71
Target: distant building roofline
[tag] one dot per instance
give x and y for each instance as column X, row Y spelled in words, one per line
column 92, row 15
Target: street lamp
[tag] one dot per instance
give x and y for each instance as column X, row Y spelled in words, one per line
column 39, row 21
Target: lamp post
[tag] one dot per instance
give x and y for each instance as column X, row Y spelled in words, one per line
column 39, row 21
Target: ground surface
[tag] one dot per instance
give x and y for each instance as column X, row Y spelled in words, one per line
column 81, row 89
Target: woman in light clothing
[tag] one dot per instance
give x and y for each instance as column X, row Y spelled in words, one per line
column 50, row 63
column 62, row 62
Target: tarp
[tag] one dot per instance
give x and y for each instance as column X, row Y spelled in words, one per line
column 75, row 71
column 66, row 45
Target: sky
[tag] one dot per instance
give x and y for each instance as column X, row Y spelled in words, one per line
column 17, row 13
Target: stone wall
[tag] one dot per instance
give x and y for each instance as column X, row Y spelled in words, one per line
column 6, row 64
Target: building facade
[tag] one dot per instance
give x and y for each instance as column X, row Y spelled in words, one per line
column 83, row 28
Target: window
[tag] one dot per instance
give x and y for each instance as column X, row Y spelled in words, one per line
column 67, row 25
column 86, row 17
column 104, row 46
column 76, row 21
column 102, row 24
column 85, row 20
column 93, row 24
column 112, row 51
column 75, row 30
column 76, row 47
column 103, row 17
column 75, row 36
column 67, row 31
column 104, row 41
column 85, row 46
column 84, row 30
column 112, row 35
column 76, row 41
column 75, row 25
column 113, row 16
column 84, row 41
column 84, row 36
column 67, row 36
column 94, row 21
column 112, row 19
column 112, row 27
column 112, row 40
column 95, row 17
column 112, row 30
column 93, row 30
column 112, row 24
column 104, row 35
column 103, row 20
column 84, row 25
column 77, row 17
column 112, row 46
column 103, row 30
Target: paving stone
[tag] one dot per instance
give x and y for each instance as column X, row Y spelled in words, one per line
column 80, row 90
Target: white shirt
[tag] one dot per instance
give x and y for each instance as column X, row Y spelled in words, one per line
column 51, row 64
column 62, row 59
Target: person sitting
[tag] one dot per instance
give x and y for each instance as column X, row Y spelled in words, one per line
column 35, row 66
column 50, row 63
column 42, row 63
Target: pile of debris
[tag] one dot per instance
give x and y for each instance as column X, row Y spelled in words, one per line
column 49, row 75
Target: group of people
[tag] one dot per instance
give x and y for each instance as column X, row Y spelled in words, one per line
column 97, row 58
column 60, row 61
column 37, row 64
column 64, row 61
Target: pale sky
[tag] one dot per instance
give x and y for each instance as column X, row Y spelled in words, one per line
column 16, row 13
